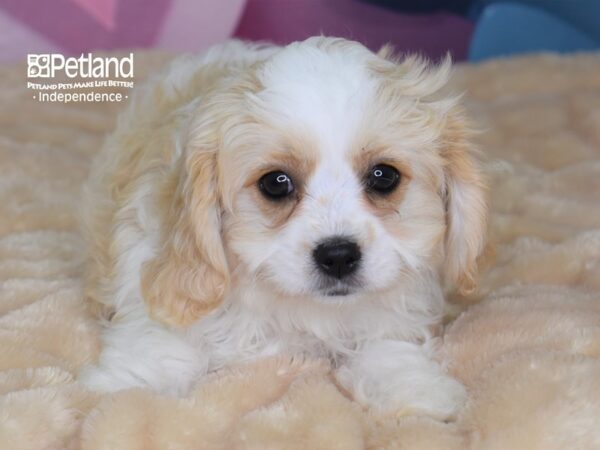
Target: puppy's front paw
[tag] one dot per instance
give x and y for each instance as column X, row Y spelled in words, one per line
column 442, row 399
column 400, row 378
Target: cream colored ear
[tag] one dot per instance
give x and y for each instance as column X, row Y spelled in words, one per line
column 466, row 205
column 189, row 277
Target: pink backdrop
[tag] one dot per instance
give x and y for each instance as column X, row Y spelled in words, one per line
column 78, row 26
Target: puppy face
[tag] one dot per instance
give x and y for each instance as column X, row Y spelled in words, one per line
column 325, row 173
column 335, row 176
column 340, row 224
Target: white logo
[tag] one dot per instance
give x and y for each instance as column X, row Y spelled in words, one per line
column 38, row 66
column 86, row 66
column 90, row 72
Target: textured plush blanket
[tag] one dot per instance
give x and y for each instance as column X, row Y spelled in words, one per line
column 527, row 346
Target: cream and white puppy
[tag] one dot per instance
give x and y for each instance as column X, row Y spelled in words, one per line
column 304, row 200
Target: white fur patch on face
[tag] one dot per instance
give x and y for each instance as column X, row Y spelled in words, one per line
column 320, row 92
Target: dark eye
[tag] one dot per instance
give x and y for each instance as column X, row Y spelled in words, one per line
column 382, row 179
column 276, row 185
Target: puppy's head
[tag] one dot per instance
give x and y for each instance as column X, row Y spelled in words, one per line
column 325, row 173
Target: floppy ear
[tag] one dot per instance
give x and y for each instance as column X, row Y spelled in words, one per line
column 465, row 198
column 189, row 277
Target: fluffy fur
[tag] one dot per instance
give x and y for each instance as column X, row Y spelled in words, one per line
column 196, row 271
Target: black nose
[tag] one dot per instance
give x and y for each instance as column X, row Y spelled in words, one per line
column 337, row 257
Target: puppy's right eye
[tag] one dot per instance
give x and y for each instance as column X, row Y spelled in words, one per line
column 276, row 185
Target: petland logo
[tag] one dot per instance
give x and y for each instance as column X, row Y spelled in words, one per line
column 86, row 66
column 67, row 80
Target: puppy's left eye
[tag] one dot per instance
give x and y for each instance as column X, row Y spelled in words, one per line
column 276, row 185
column 382, row 179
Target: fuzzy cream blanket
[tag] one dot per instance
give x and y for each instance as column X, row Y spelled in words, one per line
column 527, row 347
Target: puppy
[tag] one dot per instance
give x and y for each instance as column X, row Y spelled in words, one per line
column 306, row 200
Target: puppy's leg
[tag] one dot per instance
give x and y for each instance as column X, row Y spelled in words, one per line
column 138, row 352
column 402, row 378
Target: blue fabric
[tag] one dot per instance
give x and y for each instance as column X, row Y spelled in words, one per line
column 510, row 28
